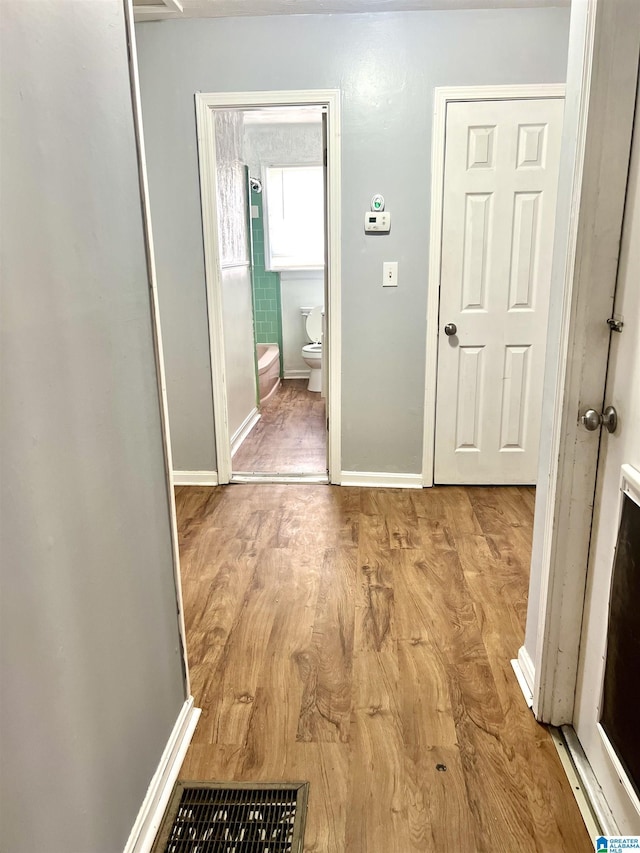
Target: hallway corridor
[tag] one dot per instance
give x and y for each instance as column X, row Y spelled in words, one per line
column 360, row 639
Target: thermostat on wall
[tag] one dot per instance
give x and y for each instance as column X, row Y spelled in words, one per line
column 378, row 221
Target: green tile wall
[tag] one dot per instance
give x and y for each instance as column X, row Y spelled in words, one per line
column 267, row 309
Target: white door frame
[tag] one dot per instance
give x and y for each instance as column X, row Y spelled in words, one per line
column 206, row 104
column 145, row 206
column 604, row 96
column 442, row 97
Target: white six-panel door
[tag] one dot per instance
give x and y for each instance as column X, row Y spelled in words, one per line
column 500, row 182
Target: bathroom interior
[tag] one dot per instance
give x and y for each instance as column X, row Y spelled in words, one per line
column 271, row 234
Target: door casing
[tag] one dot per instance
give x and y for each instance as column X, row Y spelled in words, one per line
column 206, row 104
column 603, row 96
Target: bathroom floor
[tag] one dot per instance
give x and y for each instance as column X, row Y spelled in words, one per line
column 290, row 437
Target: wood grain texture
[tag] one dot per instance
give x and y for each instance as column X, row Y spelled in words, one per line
column 361, row 639
column 291, row 435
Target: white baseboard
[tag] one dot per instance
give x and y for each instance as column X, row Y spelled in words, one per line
column 296, row 374
column 153, row 807
column 243, row 430
column 381, row 480
column 525, row 673
column 195, row 478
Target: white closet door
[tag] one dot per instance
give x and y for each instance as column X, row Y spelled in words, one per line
column 500, row 184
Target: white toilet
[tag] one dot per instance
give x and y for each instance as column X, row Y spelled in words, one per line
column 312, row 352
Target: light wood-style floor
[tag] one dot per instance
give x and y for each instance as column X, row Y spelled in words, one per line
column 360, row 639
column 291, row 435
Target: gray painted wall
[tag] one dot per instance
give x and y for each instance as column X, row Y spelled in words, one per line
column 91, row 674
column 387, row 66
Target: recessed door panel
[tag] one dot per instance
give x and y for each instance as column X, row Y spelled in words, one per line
column 515, row 394
column 469, row 398
column 532, row 143
column 480, row 147
column 524, row 250
column 476, row 243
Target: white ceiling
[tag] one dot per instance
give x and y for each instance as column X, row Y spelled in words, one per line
column 236, row 8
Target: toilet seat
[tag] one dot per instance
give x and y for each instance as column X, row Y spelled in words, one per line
column 313, row 351
column 313, row 322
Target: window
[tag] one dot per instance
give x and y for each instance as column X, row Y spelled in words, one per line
column 294, row 202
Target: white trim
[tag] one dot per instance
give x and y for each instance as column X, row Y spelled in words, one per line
column 206, row 103
column 522, row 678
column 157, row 333
column 307, row 273
column 629, row 487
column 607, row 93
column 297, row 374
column 205, row 130
column 162, row 10
column 155, row 802
column 234, row 265
column 526, row 667
column 195, row 478
column 619, row 768
column 442, row 96
column 310, row 479
column 381, row 480
column 243, row 431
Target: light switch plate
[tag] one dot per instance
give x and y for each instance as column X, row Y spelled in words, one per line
column 390, row 274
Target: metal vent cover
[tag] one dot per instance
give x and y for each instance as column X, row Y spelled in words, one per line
column 211, row 817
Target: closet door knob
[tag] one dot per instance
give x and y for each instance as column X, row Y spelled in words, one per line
column 450, row 329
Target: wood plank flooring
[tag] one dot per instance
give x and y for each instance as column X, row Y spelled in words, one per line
column 360, row 639
column 291, row 435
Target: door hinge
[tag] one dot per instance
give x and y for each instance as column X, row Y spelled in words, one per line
column 615, row 325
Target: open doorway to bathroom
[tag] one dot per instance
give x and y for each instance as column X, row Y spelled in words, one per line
column 266, row 212
column 283, row 151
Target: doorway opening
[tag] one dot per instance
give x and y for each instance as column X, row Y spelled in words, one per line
column 269, row 174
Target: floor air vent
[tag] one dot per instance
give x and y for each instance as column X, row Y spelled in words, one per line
column 205, row 817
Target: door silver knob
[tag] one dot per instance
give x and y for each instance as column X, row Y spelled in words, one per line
column 450, row 329
column 593, row 420
column 610, row 419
